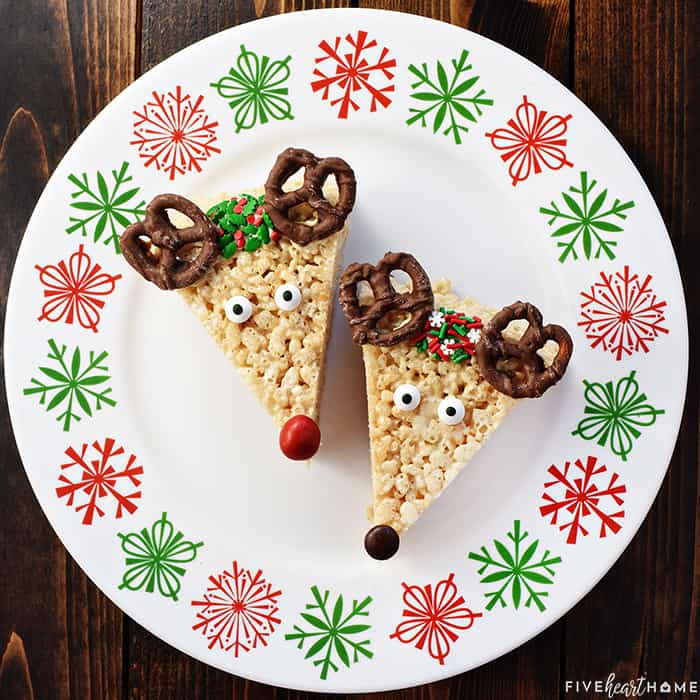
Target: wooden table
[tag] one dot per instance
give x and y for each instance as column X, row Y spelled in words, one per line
column 634, row 62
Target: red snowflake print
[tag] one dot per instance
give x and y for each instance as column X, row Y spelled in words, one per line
column 354, row 72
column 102, row 474
column 574, row 495
column 433, row 617
column 74, row 290
column 531, row 140
column 173, row 132
column 622, row 313
column 239, row 610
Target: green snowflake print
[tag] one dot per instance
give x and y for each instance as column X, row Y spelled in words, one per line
column 517, row 570
column 254, row 89
column 454, row 99
column 615, row 413
column 72, row 384
column 332, row 630
column 588, row 221
column 154, row 558
column 105, row 212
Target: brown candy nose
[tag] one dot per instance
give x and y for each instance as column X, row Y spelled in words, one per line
column 382, row 542
column 300, row 438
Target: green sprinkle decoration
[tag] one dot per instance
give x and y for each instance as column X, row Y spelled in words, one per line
column 449, row 335
column 243, row 224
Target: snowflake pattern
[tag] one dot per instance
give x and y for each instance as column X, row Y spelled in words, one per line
column 622, row 313
column 154, row 558
column 532, row 140
column 615, row 414
column 332, row 631
column 76, row 386
column 433, row 616
column 255, row 89
column 455, row 99
column 101, row 476
column 238, row 611
column 74, row 290
column 574, row 495
column 104, row 210
column 436, row 319
column 354, row 73
column 516, row 570
column 174, row 133
column 587, row 222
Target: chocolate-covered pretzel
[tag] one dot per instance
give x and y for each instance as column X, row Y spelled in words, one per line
column 153, row 247
column 515, row 368
column 330, row 217
column 364, row 320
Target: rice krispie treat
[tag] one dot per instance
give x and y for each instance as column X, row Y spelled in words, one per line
column 259, row 269
column 442, row 373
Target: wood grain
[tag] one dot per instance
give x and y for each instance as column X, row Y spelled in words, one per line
column 66, row 61
column 635, row 64
column 538, row 30
column 171, row 26
column 15, row 681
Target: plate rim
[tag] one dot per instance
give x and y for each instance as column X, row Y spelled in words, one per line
column 674, row 413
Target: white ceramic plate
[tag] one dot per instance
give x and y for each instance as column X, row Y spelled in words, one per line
column 201, row 489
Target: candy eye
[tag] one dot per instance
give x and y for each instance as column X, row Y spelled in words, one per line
column 238, row 309
column 406, row 397
column 451, row 411
column 288, row 297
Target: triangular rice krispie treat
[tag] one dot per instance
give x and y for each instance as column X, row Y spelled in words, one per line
column 259, row 271
column 431, row 404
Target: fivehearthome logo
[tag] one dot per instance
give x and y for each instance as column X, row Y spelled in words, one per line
column 634, row 688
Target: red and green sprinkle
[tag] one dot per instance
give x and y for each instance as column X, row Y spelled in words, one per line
column 448, row 335
column 243, row 224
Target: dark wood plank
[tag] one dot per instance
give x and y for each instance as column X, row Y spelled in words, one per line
column 170, row 26
column 636, row 66
column 72, row 60
column 103, row 45
column 15, row 680
column 95, row 638
column 157, row 671
column 34, row 596
column 436, row 9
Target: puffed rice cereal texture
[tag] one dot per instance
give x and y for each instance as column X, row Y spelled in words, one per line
column 414, row 455
column 280, row 354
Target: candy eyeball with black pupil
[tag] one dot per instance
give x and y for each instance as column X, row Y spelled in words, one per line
column 406, row 397
column 288, row 297
column 451, row 410
column 238, row 309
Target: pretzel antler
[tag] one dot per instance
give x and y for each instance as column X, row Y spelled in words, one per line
column 154, row 247
column 330, row 217
column 515, row 368
column 364, row 320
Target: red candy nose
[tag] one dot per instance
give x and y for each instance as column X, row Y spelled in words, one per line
column 300, row 438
